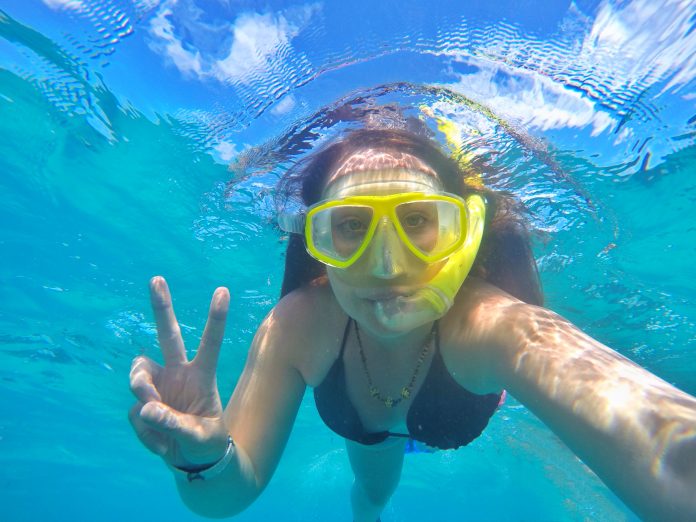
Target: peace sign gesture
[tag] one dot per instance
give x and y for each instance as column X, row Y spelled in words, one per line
column 179, row 414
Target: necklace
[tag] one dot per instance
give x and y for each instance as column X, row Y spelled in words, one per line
column 389, row 401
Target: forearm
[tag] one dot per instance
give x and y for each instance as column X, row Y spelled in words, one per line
column 637, row 432
column 224, row 495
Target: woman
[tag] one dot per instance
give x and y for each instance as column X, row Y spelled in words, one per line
column 419, row 316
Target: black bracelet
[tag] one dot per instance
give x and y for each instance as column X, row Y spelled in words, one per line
column 208, row 470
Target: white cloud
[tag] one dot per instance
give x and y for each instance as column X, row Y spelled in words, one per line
column 258, row 39
column 161, row 27
column 143, row 6
column 259, row 44
column 530, row 99
column 643, row 42
column 225, row 150
column 72, row 5
column 285, row 105
column 620, row 54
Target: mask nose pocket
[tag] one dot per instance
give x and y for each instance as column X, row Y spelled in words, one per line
column 386, row 251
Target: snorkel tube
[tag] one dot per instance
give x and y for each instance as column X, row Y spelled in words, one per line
column 433, row 301
column 442, row 289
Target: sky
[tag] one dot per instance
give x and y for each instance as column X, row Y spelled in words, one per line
column 559, row 69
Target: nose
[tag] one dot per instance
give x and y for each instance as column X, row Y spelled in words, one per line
column 386, row 255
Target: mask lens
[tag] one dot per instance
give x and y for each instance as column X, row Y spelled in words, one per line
column 338, row 232
column 431, row 226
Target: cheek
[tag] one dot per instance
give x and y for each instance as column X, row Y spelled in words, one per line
column 342, row 280
column 340, row 286
column 343, row 289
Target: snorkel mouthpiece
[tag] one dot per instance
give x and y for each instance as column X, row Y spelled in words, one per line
column 433, row 301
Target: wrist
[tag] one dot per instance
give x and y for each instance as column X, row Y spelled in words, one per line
column 203, row 455
column 206, row 471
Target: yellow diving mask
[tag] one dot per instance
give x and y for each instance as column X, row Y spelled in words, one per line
column 431, row 226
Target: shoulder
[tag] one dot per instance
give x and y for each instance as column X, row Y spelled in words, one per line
column 310, row 309
column 301, row 304
column 307, row 326
column 479, row 309
column 481, row 319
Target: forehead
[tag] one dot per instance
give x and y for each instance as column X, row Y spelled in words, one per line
column 374, row 159
column 381, row 182
column 381, row 171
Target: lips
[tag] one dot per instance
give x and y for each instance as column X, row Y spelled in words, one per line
column 385, row 294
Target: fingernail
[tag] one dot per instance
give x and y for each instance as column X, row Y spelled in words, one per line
column 159, row 290
column 220, row 298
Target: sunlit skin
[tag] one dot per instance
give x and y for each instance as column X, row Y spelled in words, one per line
column 637, row 432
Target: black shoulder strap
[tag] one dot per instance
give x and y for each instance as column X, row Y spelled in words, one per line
column 346, row 331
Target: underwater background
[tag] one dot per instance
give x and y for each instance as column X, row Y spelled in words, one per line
column 144, row 137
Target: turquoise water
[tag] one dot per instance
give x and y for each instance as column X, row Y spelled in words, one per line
column 145, row 137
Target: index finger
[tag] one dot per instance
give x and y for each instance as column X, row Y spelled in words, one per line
column 209, row 349
column 168, row 331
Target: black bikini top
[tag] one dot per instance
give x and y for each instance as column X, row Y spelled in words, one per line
column 443, row 414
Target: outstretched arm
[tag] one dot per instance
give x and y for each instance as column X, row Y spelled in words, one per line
column 636, row 431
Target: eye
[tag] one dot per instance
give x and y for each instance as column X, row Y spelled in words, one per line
column 414, row 220
column 352, row 225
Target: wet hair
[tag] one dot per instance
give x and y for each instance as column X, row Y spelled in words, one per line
column 505, row 256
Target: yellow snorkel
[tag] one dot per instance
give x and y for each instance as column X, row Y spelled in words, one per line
column 442, row 289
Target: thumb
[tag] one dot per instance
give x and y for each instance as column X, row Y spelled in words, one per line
column 162, row 418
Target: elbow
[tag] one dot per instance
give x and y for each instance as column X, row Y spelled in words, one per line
column 219, row 512
column 218, row 507
column 225, row 496
column 219, row 499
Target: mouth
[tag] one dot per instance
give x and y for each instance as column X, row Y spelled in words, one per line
column 384, row 294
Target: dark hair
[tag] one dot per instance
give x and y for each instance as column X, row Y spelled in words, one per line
column 505, row 257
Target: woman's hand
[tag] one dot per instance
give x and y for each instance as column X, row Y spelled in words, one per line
column 179, row 414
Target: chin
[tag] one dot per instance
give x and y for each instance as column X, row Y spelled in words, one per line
column 381, row 328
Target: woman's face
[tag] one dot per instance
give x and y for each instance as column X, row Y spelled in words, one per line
column 369, row 288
